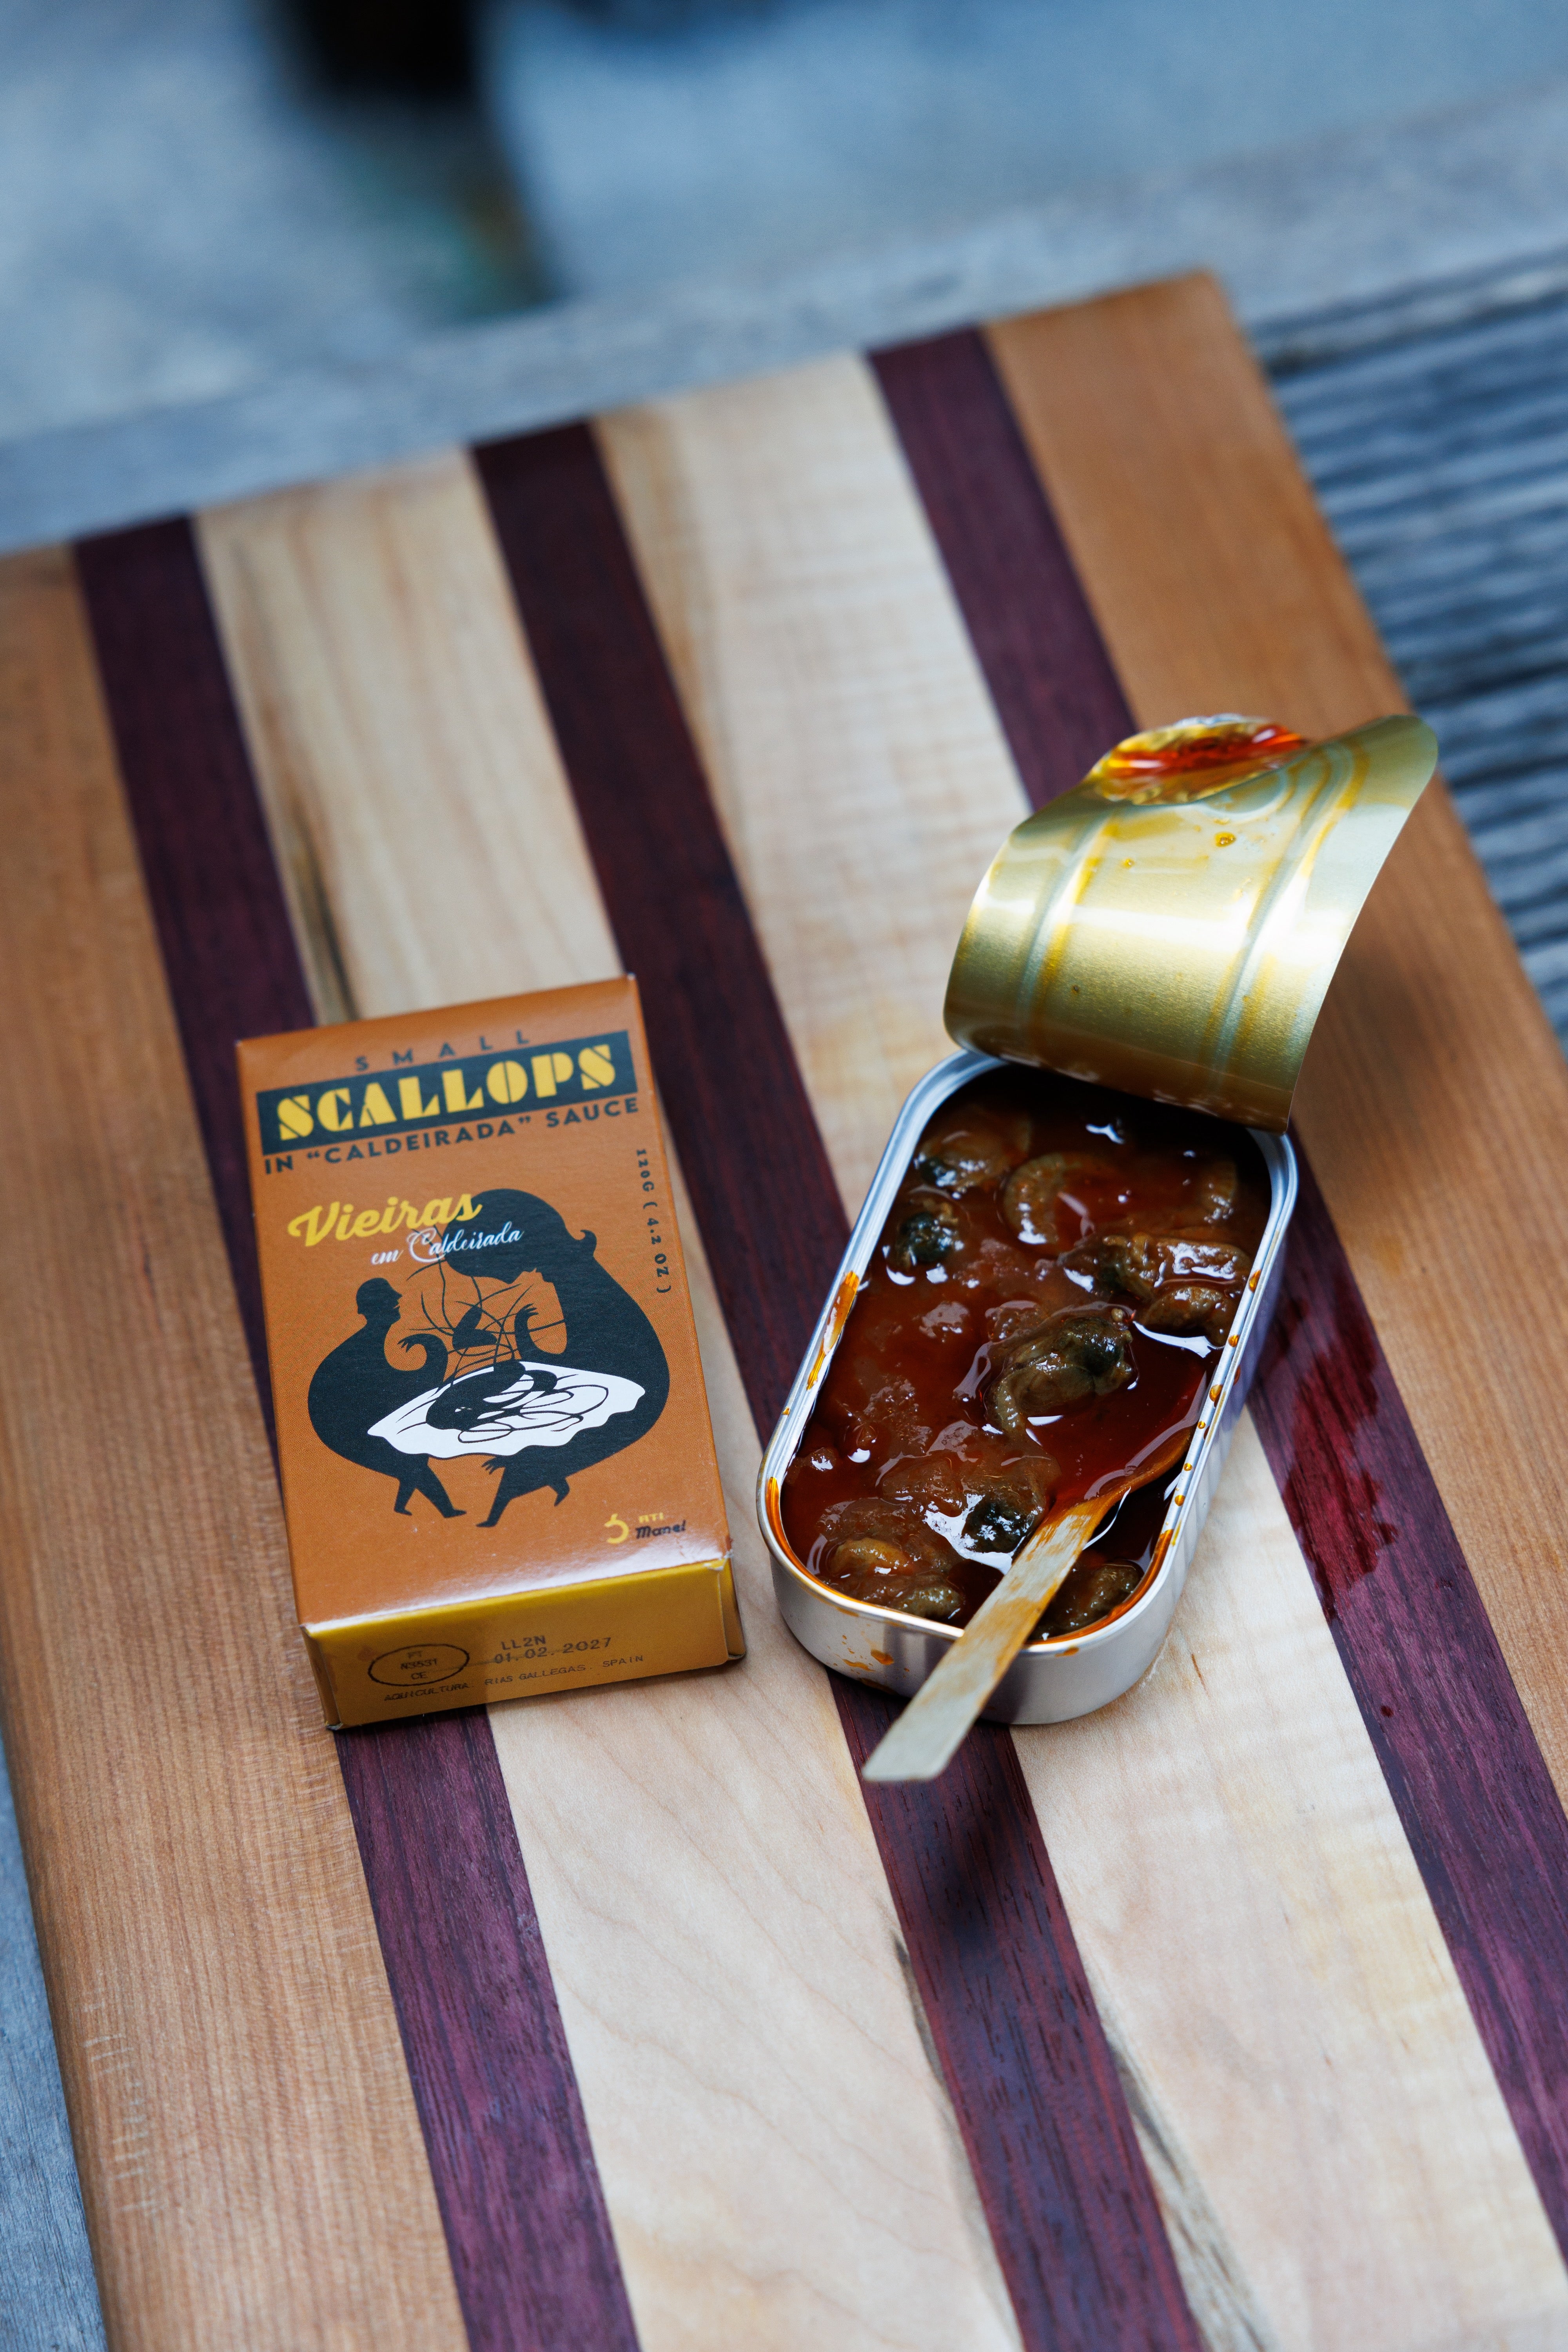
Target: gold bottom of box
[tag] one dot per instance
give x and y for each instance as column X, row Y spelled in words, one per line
column 616, row 1629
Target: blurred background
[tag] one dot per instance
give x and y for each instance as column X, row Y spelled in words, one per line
column 196, row 194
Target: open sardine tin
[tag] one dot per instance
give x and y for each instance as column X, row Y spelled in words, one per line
column 499, row 1471
column 1169, row 928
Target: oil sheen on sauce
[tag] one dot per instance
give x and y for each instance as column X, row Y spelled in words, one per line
column 1042, row 1311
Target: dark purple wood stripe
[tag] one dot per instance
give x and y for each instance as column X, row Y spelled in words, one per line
column 1463, row 1766
column 1051, row 678
column 727, row 1076
column 1472, row 1786
column 206, row 857
column 530, row 2238
column 1065, row 2188
column 514, row 2169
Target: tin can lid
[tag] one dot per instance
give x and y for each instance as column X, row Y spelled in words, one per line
column 1171, row 925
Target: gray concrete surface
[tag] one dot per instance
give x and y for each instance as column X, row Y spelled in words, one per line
column 181, row 223
column 179, row 217
column 763, row 136
column 1355, row 217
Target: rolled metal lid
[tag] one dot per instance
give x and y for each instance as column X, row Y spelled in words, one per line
column 1171, row 925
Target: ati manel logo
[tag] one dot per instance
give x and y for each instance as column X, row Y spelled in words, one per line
column 400, row 1100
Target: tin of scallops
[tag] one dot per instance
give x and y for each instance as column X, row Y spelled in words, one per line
column 497, row 1467
column 989, row 1479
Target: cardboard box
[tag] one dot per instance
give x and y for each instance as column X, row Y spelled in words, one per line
column 498, row 1465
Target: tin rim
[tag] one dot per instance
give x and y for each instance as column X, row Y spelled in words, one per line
column 1054, row 1645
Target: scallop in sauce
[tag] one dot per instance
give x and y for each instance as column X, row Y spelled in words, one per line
column 1057, row 1276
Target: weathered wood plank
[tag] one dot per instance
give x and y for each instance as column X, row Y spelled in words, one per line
column 51, row 2296
column 1435, row 1098
column 251, row 2162
column 777, row 2156
column 837, row 702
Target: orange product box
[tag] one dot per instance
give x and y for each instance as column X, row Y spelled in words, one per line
column 498, row 1465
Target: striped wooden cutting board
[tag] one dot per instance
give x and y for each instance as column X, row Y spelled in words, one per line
column 1234, row 2015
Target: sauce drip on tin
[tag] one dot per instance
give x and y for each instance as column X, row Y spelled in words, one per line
column 1047, row 1299
column 1191, row 759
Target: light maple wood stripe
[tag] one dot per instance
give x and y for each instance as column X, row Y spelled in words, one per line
column 251, row 2162
column 743, row 1986
column 1435, row 1098
column 1324, row 2127
column 1334, row 2174
column 779, row 2160
column 822, row 666
column 377, row 656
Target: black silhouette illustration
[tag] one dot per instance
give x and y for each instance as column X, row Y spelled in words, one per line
column 539, row 1422
column 355, row 1386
